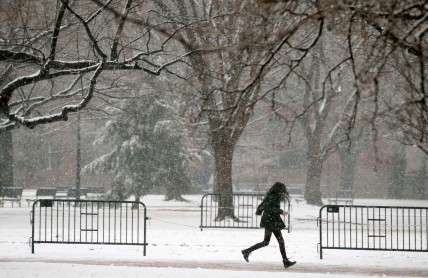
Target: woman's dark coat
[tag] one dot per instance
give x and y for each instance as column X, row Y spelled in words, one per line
column 270, row 207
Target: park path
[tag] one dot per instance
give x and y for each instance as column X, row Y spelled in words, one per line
column 238, row 266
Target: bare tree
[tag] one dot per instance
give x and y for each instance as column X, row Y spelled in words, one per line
column 56, row 61
column 382, row 43
column 58, row 57
column 241, row 52
column 241, row 47
column 315, row 97
column 226, row 63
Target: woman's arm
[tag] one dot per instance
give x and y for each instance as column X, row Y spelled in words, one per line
column 261, row 207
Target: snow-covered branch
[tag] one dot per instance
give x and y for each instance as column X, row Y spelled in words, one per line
column 76, row 42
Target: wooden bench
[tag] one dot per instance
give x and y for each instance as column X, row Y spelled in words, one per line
column 74, row 193
column 70, row 193
column 96, row 189
column 343, row 197
column 61, row 193
column 43, row 193
column 11, row 194
column 58, row 194
column 95, row 192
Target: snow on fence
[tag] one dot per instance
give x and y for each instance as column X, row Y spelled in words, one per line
column 88, row 222
column 244, row 206
column 382, row 228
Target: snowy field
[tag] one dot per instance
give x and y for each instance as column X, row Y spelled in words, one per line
column 178, row 248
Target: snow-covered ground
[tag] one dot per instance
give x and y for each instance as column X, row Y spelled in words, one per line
column 178, row 248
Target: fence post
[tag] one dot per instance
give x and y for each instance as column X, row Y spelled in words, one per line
column 319, row 222
column 32, row 228
column 202, row 210
column 145, row 230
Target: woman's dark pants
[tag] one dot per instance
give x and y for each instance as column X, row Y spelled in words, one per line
column 265, row 242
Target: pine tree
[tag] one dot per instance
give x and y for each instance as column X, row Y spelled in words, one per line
column 148, row 140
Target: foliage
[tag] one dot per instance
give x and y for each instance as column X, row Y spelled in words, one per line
column 148, row 149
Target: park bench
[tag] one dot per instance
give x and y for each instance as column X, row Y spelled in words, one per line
column 43, row 193
column 74, row 193
column 58, row 194
column 95, row 192
column 11, row 194
column 343, row 197
column 61, row 193
column 70, row 193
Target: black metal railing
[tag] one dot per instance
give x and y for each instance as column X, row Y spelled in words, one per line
column 382, row 228
column 244, row 206
column 88, row 222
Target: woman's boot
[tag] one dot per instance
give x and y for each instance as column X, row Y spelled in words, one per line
column 245, row 253
column 288, row 263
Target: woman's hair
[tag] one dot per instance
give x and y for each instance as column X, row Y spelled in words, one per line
column 278, row 188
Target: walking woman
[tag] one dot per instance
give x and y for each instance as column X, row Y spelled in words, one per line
column 272, row 221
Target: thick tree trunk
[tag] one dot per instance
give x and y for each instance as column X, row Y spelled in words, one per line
column 137, row 200
column 313, row 182
column 223, row 154
column 6, row 159
column 422, row 189
column 347, row 172
column 174, row 195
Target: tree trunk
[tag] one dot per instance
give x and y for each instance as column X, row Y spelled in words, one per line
column 313, row 182
column 396, row 187
column 78, row 157
column 137, row 200
column 6, row 159
column 174, row 194
column 347, row 171
column 423, row 189
column 223, row 155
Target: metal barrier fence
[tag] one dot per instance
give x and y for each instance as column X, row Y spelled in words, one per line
column 382, row 228
column 244, row 208
column 88, row 222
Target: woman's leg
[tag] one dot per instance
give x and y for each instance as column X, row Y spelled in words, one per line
column 265, row 242
column 281, row 243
